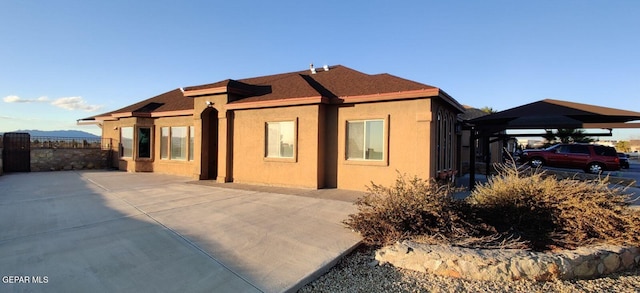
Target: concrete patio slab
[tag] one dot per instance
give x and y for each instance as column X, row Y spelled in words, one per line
column 114, row 231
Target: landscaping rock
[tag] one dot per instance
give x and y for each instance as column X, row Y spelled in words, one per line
column 509, row 264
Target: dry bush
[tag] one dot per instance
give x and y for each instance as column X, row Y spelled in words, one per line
column 549, row 212
column 518, row 208
column 412, row 207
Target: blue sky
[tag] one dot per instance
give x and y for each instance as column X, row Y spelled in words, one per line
column 65, row 60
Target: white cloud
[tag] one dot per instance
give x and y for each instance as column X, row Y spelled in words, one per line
column 75, row 103
column 16, row 99
column 69, row 103
column 11, row 99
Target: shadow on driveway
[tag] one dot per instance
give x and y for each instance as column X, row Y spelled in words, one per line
column 115, row 231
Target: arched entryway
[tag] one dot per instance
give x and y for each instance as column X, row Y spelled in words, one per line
column 209, row 148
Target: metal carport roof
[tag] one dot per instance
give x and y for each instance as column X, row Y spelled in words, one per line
column 547, row 114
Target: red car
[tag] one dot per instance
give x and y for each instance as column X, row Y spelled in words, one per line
column 591, row 158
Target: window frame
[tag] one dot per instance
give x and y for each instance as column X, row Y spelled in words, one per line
column 151, row 144
column 294, row 156
column 164, row 142
column 131, row 142
column 384, row 161
column 167, row 143
column 183, row 142
column 445, row 140
column 191, row 141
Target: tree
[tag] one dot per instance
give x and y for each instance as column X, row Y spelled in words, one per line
column 488, row 110
column 623, row 146
column 549, row 137
column 566, row 135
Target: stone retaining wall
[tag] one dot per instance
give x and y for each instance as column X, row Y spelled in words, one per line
column 67, row 159
column 509, row 264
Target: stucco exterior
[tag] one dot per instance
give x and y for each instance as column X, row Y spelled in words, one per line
column 229, row 133
column 407, row 132
column 249, row 140
column 111, row 129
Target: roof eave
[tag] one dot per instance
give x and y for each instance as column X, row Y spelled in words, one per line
column 278, row 103
column 450, row 100
column 204, row 92
column 216, row 91
column 88, row 121
column 172, row 113
column 422, row 93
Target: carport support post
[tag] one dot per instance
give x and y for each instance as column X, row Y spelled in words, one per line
column 486, row 152
column 472, row 158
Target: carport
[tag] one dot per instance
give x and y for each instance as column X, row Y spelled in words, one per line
column 544, row 114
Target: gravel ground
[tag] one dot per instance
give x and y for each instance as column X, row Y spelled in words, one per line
column 359, row 272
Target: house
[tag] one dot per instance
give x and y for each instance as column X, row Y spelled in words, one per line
column 330, row 127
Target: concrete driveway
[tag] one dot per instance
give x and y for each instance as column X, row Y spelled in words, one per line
column 140, row 232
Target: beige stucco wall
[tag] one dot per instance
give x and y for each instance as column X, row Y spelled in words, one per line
column 249, row 162
column 408, row 139
column 111, row 129
column 320, row 159
column 167, row 166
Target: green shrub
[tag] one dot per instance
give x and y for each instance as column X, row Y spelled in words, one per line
column 409, row 208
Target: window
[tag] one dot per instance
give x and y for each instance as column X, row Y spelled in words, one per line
column 144, row 142
column 164, row 143
column 178, row 143
column 280, row 139
column 579, row 149
column 444, row 138
column 126, row 142
column 439, row 141
column 450, row 141
column 365, row 140
column 192, row 138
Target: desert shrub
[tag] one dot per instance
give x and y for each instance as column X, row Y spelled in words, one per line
column 412, row 207
column 551, row 212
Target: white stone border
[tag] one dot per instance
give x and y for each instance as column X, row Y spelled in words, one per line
column 509, row 264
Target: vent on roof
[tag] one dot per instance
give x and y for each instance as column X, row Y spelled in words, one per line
column 325, row 67
column 313, row 70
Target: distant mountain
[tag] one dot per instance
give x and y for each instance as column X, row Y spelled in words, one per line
column 59, row 133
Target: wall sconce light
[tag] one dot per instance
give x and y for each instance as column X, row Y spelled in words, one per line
column 209, row 104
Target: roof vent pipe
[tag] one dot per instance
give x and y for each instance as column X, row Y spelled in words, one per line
column 325, row 67
column 313, row 70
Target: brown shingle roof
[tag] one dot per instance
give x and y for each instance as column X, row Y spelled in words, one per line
column 168, row 102
column 471, row 113
column 339, row 82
